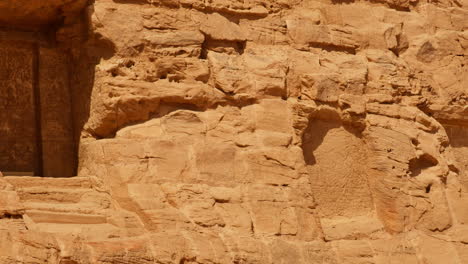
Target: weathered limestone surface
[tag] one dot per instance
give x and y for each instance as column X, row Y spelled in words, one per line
column 285, row 131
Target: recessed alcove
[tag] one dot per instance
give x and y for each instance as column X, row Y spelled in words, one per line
column 37, row 120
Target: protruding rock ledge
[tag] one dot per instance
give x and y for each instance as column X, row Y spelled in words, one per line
column 35, row 15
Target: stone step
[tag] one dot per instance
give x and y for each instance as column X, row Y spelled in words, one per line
column 46, row 194
column 40, row 216
column 80, row 208
column 12, row 224
column 90, row 231
column 72, row 182
column 18, row 173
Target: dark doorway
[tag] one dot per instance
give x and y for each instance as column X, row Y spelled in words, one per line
column 36, row 119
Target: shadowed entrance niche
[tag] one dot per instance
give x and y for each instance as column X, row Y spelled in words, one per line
column 36, row 106
column 36, row 124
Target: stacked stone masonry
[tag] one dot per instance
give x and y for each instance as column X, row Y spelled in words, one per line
column 215, row 131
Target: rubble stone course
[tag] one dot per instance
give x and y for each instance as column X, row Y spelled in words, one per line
column 242, row 131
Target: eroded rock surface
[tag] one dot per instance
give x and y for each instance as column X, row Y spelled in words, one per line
column 286, row 131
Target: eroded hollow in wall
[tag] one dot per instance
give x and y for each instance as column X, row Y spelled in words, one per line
column 336, row 157
column 459, row 142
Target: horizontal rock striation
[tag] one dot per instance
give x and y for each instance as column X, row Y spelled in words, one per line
column 251, row 131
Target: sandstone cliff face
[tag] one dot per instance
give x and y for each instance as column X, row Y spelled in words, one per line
column 285, row 131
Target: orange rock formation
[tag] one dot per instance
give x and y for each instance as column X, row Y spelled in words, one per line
column 243, row 131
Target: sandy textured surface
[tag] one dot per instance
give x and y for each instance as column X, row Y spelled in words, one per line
column 244, row 131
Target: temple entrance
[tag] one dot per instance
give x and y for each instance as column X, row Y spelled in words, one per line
column 41, row 65
column 36, row 121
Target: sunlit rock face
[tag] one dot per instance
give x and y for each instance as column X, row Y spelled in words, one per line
column 189, row 131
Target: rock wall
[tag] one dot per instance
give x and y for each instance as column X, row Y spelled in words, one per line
column 251, row 131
